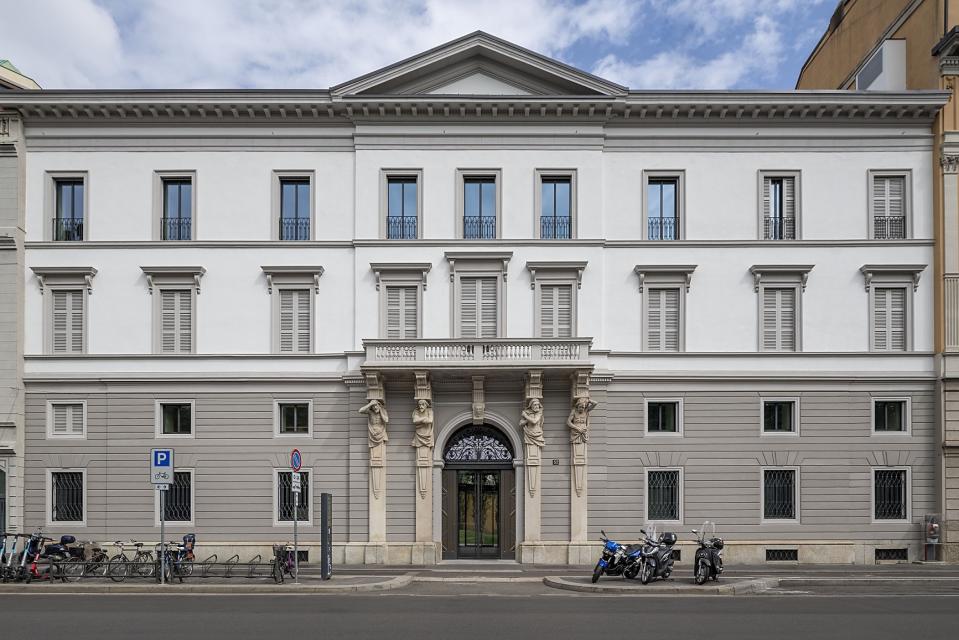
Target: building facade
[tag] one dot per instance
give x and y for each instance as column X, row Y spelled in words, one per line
column 497, row 303
column 914, row 44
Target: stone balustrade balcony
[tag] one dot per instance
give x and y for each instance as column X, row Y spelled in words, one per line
column 478, row 353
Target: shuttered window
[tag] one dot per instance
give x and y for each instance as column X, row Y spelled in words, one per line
column 779, row 319
column 779, row 207
column 66, row 419
column 295, row 320
column 479, row 312
column 663, row 320
column 176, row 321
column 556, row 310
column 68, row 321
column 889, row 319
column 401, row 313
column 889, row 207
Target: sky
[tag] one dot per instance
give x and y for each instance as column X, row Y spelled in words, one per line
column 316, row 44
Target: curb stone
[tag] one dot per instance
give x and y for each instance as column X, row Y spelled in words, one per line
column 755, row 585
column 476, row 579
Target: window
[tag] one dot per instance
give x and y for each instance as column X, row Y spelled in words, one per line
column 295, row 208
column 779, row 494
column 779, row 416
column 285, row 499
column 664, row 205
column 479, row 207
column 890, row 415
column 556, row 207
column 178, row 499
column 663, row 491
column 295, row 321
column 479, row 316
column 69, row 209
column 780, row 205
column 400, row 286
column 890, row 488
column 479, row 292
column 556, row 310
column 663, row 324
column 402, row 207
column 66, row 492
column 176, row 222
column 176, row 321
column 889, row 319
column 779, row 319
column 402, row 317
column 175, row 418
column 294, row 418
column 67, row 321
column 889, row 205
column 663, row 417
column 66, row 419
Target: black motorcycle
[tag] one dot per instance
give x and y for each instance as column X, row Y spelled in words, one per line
column 709, row 556
column 657, row 560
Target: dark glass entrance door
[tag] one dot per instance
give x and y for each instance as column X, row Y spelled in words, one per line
column 478, row 513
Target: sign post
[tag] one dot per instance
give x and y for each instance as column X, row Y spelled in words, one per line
column 326, row 536
column 161, row 475
column 296, row 460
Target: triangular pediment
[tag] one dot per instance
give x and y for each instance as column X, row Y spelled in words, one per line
column 479, row 64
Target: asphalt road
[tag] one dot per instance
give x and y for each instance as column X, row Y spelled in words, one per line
column 482, row 612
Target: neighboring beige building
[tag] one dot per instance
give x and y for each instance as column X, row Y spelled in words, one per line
column 891, row 45
column 13, row 78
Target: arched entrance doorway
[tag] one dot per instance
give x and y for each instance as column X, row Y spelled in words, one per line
column 479, row 495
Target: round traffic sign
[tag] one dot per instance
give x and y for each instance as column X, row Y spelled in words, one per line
column 296, row 460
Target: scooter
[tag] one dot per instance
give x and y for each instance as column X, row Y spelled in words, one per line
column 617, row 559
column 7, row 570
column 657, row 559
column 709, row 556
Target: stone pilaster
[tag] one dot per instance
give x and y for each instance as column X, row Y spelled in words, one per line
column 581, row 405
column 424, row 458
column 376, row 393
column 532, row 495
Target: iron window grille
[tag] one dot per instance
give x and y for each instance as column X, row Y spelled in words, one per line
column 663, row 228
column 67, row 499
column 178, row 501
column 779, row 416
column 779, row 494
column 176, row 223
column 68, row 223
column 662, row 495
column 661, row 417
column 284, row 498
column 890, row 415
column 889, row 227
column 890, row 494
column 478, row 444
column 557, row 208
column 662, row 209
column 782, row 555
column 177, row 419
column 900, row 555
column 479, row 208
column 401, row 211
column 294, row 209
column 294, row 417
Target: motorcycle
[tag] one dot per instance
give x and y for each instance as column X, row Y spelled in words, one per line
column 617, row 559
column 708, row 562
column 657, row 560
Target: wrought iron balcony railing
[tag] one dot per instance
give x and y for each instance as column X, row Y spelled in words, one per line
column 294, row 228
column 67, row 229
column 889, row 227
column 779, row 228
column 177, row 228
column 401, row 227
column 554, row 228
column 663, row 228
column 479, row 227
column 478, row 352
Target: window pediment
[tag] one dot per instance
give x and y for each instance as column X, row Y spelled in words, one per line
column 892, row 273
column 165, row 276
column 307, row 276
column 780, row 274
column 460, row 261
column 65, row 276
column 400, row 271
column 677, row 274
column 559, row 270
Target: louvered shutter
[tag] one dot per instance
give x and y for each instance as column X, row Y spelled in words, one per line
column 401, row 313
column 888, row 195
column 662, row 319
column 68, row 419
column 295, row 320
column 789, row 198
column 478, row 308
column 176, row 321
column 303, row 321
column 779, row 319
column 469, row 307
column 67, row 321
column 670, row 320
column 488, row 308
column 767, row 203
column 556, row 311
column 286, row 320
column 889, row 319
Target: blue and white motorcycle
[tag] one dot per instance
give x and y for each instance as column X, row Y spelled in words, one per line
column 617, row 559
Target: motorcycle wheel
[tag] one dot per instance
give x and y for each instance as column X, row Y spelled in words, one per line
column 645, row 573
column 702, row 573
column 631, row 572
column 597, row 572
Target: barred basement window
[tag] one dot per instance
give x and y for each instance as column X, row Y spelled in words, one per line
column 67, row 496
column 890, row 415
column 662, row 495
column 901, row 555
column 779, row 494
column 890, row 494
column 294, row 417
column 177, row 419
column 284, row 497
column 782, row 555
column 178, row 501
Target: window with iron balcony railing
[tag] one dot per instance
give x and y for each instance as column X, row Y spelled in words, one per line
column 663, row 228
column 779, row 228
column 68, row 229
column 294, row 228
column 401, row 227
column 479, row 227
column 176, row 228
column 889, row 227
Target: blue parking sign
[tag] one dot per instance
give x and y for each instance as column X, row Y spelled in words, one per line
column 161, row 466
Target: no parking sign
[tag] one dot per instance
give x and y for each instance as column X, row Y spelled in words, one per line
column 296, row 460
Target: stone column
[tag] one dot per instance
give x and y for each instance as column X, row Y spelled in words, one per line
column 531, row 424
column 949, row 389
column 423, row 442
column 578, row 423
column 378, row 419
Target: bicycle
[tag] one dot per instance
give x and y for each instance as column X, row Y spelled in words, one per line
column 283, row 562
column 99, row 562
column 179, row 559
column 121, row 566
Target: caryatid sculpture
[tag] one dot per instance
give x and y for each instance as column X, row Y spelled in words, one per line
column 534, row 440
column 423, row 441
column 377, row 420
column 578, row 423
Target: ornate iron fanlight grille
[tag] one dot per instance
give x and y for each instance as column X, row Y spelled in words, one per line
column 478, row 444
